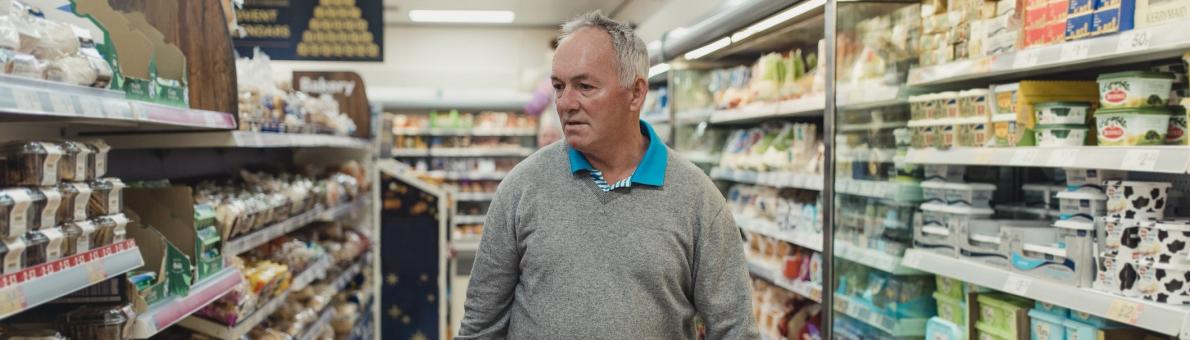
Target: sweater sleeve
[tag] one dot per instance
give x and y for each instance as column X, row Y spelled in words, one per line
column 494, row 276
column 722, row 292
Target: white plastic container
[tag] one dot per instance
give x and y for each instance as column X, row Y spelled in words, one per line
column 1134, row 89
column 974, row 103
column 1163, row 282
column 933, row 191
column 956, row 216
column 978, row 195
column 1128, row 127
column 1036, row 195
column 1114, row 275
column 1137, row 200
column 1091, row 179
column 1061, row 135
column 1082, row 206
column 950, row 101
column 945, row 172
column 917, row 107
column 1166, row 241
column 1120, row 237
column 1056, row 113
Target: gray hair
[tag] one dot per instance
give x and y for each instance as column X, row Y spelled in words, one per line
column 631, row 52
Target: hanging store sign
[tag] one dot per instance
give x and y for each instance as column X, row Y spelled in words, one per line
column 340, row 30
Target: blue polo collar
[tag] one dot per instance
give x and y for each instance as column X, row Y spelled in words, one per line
column 650, row 171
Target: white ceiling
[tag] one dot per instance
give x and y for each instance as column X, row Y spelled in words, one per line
column 543, row 13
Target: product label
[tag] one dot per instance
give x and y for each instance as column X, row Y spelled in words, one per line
column 81, row 200
column 1177, row 130
column 113, row 198
column 121, row 223
column 1112, row 129
column 53, row 155
column 12, row 260
column 53, row 249
column 83, row 242
column 80, row 164
column 53, row 200
column 18, row 219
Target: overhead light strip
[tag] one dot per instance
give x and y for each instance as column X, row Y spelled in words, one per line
column 450, row 16
column 708, row 49
column 773, row 21
column 658, row 69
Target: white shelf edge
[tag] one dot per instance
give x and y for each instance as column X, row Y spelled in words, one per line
column 772, row 179
column 410, row 153
column 806, row 289
column 873, row 259
column 1159, row 317
column 769, row 228
column 244, row 243
column 1162, row 159
column 447, row 132
column 31, row 287
column 810, row 105
column 479, row 152
column 233, row 139
column 1158, row 42
column 172, row 309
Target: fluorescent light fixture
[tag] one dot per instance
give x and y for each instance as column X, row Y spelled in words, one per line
column 487, row 17
column 708, row 49
column 658, row 69
column 775, row 20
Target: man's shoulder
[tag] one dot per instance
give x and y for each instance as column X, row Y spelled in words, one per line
column 544, row 163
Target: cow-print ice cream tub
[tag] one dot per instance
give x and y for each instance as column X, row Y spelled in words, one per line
column 1120, row 237
column 1166, row 241
column 1163, row 282
column 1115, row 275
column 1137, row 200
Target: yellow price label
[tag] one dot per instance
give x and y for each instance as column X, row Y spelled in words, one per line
column 1124, row 311
column 95, row 272
column 11, row 300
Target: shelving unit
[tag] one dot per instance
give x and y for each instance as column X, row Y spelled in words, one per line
column 233, row 139
column 1173, row 320
column 772, row 179
column 1162, row 159
column 475, row 196
column 874, row 259
column 244, row 243
column 172, row 309
column 31, row 287
column 485, row 132
column 481, row 152
column 900, row 328
column 770, row 229
column 770, row 272
column 808, row 106
column 1138, row 45
column 315, row 271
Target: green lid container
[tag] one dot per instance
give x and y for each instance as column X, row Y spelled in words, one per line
column 1136, row 110
column 1137, row 74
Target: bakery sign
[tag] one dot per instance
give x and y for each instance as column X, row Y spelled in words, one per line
column 347, row 88
column 342, row 30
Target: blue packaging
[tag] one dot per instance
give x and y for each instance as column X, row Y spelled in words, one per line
column 1078, row 27
column 1112, row 20
column 1080, row 7
column 1060, row 311
column 1046, row 326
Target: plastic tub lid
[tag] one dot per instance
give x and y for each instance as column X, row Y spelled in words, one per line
column 1062, row 127
column 1082, row 195
column 1181, row 224
column 1140, row 183
column 935, row 230
column 1137, row 74
column 933, row 184
column 994, row 239
column 970, row 186
column 1141, row 110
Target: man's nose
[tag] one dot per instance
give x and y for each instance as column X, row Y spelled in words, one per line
column 567, row 102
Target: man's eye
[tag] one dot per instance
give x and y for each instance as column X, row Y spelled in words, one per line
column 558, row 87
column 584, row 86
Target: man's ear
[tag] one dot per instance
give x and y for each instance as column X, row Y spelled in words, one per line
column 640, row 89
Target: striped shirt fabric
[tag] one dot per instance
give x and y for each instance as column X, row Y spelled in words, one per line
column 597, row 176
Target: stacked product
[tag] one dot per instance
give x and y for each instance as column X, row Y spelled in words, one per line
column 790, row 210
column 263, row 199
column 270, row 104
column 37, row 48
column 1135, row 109
column 1048, row 321
column 57, row 202
column 1143, row 253
column 782, row 314
column 896, row 297
column 952, row 298
column 788, row 147
column 775, row 76
column 483, row 121
column 898, row 33
column 950, row 119
column 1044, row 22
column 949, row 205
column 947, row 29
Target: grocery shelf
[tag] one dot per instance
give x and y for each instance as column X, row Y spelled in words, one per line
column 314, row 271
column 1138, row 45
column 871, row 126
column 773, row 179
column 1163, row 318
column 466, row 244
column 771, row 272
column 895, row 191
column 869, row 95
column 469, row 219
column 808, row 106
column 873, row 258
column 315, row 329
column 655, row 118
column 410, row 152
column 481, row 152
column 700, row 157
column 694, row 116
column 33, row 286
column 476, row 132
column 475, row 196
column 233, row 139
column 467, row 175
column 32, row 100
column 769, row 228
column 172, row 309
column 868, row 314
column 1164, row 159
column 244, row 243
column 328, row 312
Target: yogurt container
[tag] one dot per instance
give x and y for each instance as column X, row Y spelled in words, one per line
column 950, row 102
column 949, row 135
column 977, row 195
column 974, row 135
column 1082, row 206
column 933, row 191
column 1091, row 179
column 974, row 103
column 1146, row 126
column 1051, row 113
column 945, row 172
column 1136, row 200
column 1134, row 89
column 1036, row 194
column 1163, row 282
column 1165, row 241
column 917, row 107
column 1061, row 135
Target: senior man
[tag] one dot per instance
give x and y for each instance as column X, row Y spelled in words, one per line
column 606, row 234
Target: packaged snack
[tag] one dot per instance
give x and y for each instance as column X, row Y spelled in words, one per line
column 30, row 163
column 95, row 322
column 76, row 160
column 36, row 245
column 24, row 65
column 14, row 254
column 98, row 162
column 107, row 196
column 78, row 237
column 1177, row 126
column 16, row 211
column 75, row 198
column 108, row 230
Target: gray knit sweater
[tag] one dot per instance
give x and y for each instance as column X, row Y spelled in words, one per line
column 561, row 259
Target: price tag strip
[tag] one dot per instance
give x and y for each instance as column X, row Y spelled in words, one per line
column 1140, row 160
column 13, row 285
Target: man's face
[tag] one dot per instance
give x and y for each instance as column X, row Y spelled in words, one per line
column 593, row 106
